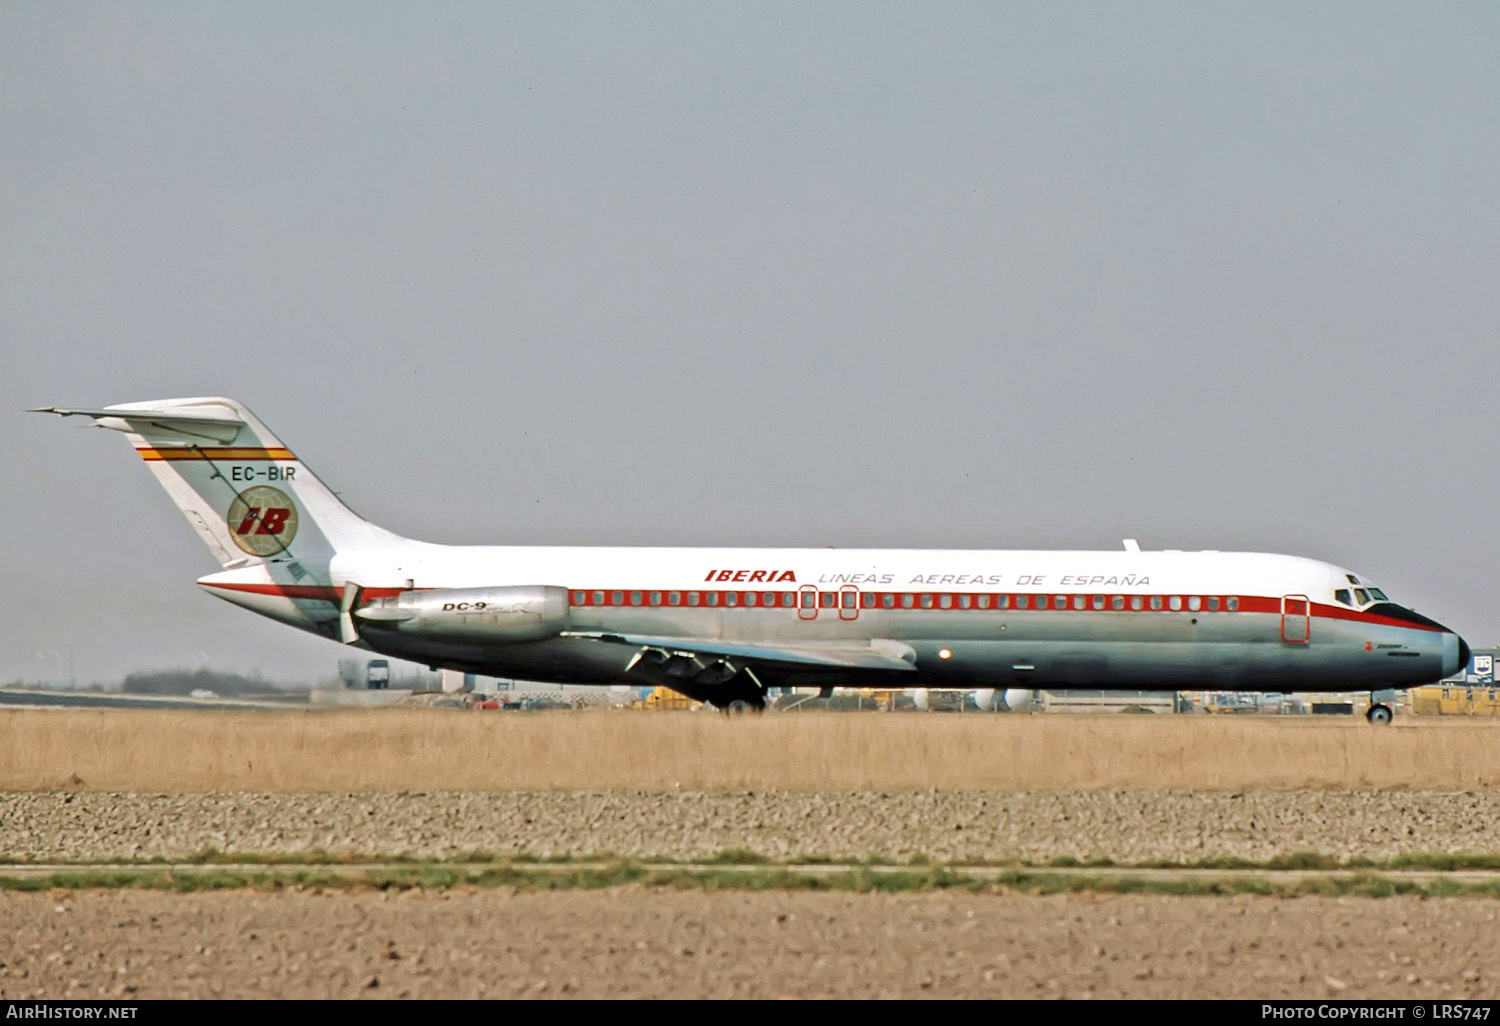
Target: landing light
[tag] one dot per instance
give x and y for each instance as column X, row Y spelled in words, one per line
column 943, row 653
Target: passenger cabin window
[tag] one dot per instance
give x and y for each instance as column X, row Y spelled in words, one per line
column 945, row 601
column 674, row 598
column 1136, row 602
column 908, row 600
column 888, row 601
column 768, row 599
column 963, row 602
column 1213, row 603
column 789, row 599
column 656, row 598
column 1342, row 595
column 617, row 598
column 1231, row 603
column 635, row 598
column 984, row 602
column 693, row 598
column 1098, row 601
column 1195, row 603
column 598, row 598
column 926, row 601
column 1175, row 602
column 827, row 600
column 713, row 598
column 1041, row 601
column 1118, row 602
column 1155, row 601
column 1003, row 602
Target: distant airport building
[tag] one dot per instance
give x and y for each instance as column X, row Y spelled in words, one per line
column 1471, row 692
column 1480, row 672
column 1082, row 700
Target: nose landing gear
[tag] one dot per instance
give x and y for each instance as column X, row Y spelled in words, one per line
column 1382, row 703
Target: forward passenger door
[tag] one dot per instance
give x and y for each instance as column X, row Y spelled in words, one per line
column 1296, row 619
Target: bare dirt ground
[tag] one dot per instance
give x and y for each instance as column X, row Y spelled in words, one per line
column 993, row 826
column 967, row 788
column 641, row 943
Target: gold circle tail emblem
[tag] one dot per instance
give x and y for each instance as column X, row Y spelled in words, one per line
column 262, row 520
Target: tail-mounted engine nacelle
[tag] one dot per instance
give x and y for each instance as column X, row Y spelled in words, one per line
column 526, row 613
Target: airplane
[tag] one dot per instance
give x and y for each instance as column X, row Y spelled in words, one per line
column 725, row 625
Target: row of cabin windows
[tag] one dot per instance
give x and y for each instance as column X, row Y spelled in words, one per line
column 904, row 600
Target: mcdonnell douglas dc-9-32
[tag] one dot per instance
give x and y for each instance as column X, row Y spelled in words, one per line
column 723, row 626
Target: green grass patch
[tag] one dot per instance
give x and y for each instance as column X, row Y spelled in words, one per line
column 1444, row 861
column 736, row 857
column 1305, row 861
column 625, row 872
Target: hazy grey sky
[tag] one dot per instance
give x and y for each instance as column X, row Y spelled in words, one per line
column 863, row 274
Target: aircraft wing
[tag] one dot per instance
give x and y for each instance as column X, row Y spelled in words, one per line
column 876, row 655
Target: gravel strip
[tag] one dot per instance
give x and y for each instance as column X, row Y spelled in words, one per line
column 1125, row 826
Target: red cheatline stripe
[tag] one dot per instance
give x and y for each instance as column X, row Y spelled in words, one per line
column 216, row 454
column 1247, row 603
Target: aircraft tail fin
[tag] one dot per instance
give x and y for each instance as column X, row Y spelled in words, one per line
column 248, row 497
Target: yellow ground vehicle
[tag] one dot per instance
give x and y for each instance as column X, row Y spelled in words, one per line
column 664, row 698
column 1456, row 700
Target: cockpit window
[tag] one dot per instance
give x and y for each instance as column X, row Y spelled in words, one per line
column 1342, row 595
column 1379, row 595
column 1352, row 578
column 1362, row 595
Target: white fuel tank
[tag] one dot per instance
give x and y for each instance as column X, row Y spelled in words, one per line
column 1018, row 699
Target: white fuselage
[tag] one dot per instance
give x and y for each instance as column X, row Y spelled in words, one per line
column 1125, row 619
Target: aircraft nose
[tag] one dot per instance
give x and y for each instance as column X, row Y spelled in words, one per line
column 1455, row 655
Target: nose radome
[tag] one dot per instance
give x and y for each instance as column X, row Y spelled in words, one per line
column 1455, row 654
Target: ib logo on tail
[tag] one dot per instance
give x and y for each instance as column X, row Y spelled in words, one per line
column 262, row 520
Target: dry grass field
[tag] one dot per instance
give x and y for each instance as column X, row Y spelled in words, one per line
column 404, row 750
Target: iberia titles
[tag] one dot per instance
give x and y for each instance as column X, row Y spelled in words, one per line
column 752, row 576
column 937, row 580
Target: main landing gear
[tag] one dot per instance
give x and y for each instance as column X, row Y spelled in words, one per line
column 743, row 693
column 741, row 706
column 730, row 688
